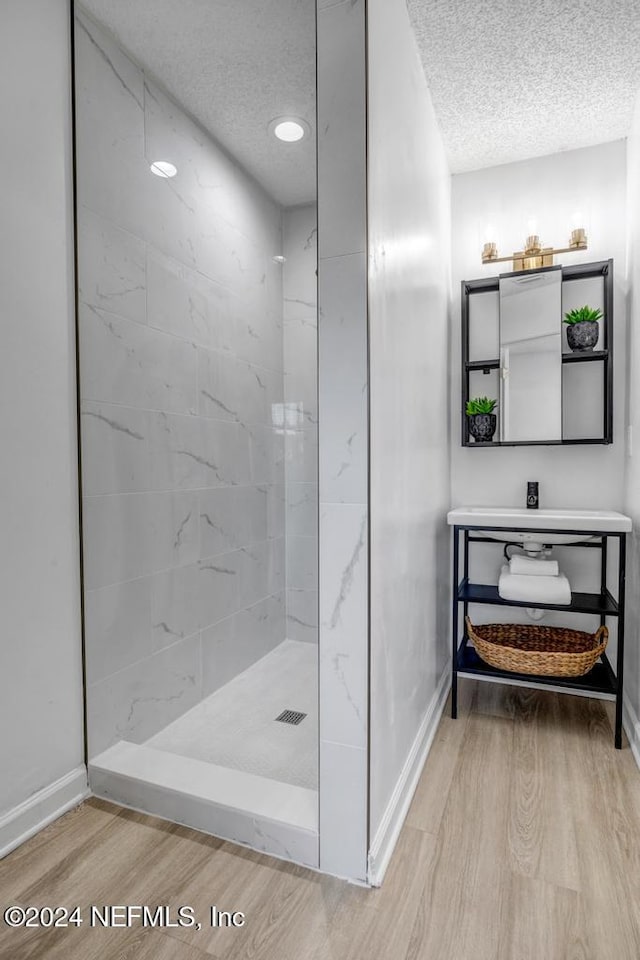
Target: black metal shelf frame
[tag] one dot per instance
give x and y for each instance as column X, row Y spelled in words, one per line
column 591, row 603
column 601, row 680
column 579, row 271
column 566, row 358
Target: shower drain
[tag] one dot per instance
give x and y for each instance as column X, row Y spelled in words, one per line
column 291, row 716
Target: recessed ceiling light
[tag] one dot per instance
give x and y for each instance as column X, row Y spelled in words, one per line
column 279, row 258
column 162, row 168
column 289, row 129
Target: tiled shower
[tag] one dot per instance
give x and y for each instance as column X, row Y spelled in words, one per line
column 203, row 591
column 198, row 389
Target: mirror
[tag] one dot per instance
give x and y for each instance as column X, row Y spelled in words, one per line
column 531, row 357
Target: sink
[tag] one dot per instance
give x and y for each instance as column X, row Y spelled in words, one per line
column 537, row 538
column 492, row 519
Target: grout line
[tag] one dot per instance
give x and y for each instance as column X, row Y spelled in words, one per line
column 198, row 345
column 186, row 566
column 185, row 491
column 190, row 636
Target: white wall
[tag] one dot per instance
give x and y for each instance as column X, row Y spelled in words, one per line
column 552, row 189
column 409, row 318
column 632, row 472
column 40, row 672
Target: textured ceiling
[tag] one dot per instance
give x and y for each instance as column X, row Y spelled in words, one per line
column 509, row 79
column 512, row 79
column 234, row 65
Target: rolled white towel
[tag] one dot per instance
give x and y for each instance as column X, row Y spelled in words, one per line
column 527, row 566
column 527, row 589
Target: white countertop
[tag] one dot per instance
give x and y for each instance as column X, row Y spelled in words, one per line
column 608, row 521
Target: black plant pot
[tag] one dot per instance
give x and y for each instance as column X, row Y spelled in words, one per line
column 482, row 426
column 582, row 336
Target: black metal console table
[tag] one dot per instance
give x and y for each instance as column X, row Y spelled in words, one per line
column 601, row 679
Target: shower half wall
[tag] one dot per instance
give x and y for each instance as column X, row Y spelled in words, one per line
column 200, row 561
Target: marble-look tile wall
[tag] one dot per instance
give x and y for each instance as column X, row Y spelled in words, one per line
column 343, row 396
column 182, row 404
column 409, row 323
column 300, row 336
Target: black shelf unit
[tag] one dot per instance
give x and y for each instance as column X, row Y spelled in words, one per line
column 580, row 271
column 590, row 603
column 602, row 679
column 585, row 357
column 566, row 358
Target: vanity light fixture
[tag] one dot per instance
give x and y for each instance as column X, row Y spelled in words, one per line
column 163, row 168
column 289, row 129
column 534, row 254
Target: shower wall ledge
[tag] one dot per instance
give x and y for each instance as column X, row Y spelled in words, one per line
column 267, row 815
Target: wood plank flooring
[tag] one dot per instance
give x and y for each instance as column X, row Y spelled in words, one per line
column 522, row 843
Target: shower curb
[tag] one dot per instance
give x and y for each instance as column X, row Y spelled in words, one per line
column 279, row 819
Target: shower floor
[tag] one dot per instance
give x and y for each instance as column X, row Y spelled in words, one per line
column 227, row 767
column 235, row 727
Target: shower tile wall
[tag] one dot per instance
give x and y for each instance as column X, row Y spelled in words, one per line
column 343, row 442
column 182, row 406
column 301, row 406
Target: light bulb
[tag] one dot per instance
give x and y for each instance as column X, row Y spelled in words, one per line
column 489, row 233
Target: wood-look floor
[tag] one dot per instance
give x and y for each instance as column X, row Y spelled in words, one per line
column 522, row 843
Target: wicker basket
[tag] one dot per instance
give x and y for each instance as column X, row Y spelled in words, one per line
column 544, row 651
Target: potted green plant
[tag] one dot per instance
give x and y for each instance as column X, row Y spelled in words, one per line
column 582, row 328
column 481, row 418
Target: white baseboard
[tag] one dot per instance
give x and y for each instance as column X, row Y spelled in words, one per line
column 388, row 832
column 41, row 809
column 631, row 725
